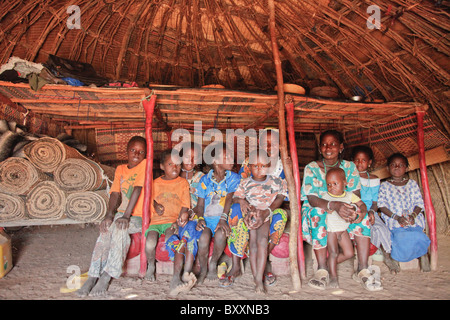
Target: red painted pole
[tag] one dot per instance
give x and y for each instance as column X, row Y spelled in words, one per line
column 294, row 158
column 430, row 213
column 149, row 107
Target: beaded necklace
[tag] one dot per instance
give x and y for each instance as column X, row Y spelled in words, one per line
column 325, row 166
column 392, row 180
column 368, row 179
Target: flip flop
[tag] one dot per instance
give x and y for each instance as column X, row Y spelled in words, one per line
column 270, row 279
column 372, row 282
column 81, row 278
column 222, row 270
column 226, row 281
column 322, row 277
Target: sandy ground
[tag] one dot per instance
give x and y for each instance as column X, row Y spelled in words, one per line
column 42, row 255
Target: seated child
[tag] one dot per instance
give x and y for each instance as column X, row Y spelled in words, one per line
column 123, row 217
column 401, row 204
column 259, row 196
column 190, row 171
column 380, row 236
column 218, row 185
column 170, row 199
column 182, row 244
column 269, row 142
column 336, row 226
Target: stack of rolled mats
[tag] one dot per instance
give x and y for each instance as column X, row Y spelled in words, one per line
column 52, row 181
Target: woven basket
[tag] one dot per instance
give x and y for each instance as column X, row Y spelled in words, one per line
column 327, row 92
column 292, row 88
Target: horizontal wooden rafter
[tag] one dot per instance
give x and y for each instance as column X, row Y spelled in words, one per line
column 180, row 107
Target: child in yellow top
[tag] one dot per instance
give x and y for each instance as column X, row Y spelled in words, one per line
column 170, row 200
column 336, row 226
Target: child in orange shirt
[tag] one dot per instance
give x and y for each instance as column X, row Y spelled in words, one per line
column 123, row 217
column 170, row 203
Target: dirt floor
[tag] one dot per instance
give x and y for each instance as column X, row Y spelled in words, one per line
column 42, row 255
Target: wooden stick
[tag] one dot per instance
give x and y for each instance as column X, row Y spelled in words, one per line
column 429, row 208
column 446, row 193
column 149, row 106
column 441, row 185
column 284, row 154
column 293, row 151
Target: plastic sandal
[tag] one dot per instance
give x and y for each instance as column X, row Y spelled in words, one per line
column 322, row 277
column 226, row 281
column 270, row 279
column 372, row 275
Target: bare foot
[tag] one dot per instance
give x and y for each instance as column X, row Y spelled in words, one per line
column 393, row 265
column 178, row 286
column 259, row 288
column 187, row 276
column 102, row 286
column 87, row 287
column 230, row 278
column 212, row 272
column 334, row 283
column 201, row 276
column 150, row 274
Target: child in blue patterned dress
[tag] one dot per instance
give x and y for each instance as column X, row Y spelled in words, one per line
column 219, row 184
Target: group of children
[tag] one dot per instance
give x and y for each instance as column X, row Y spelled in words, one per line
column 189, row 208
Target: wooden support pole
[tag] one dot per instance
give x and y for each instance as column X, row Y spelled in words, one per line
column 294, row 157
column 430, row 213
column 149, row 106
column 293, row 264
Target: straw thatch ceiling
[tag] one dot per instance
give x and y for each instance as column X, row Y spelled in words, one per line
column 192, row 43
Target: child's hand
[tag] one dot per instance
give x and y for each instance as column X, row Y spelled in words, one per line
column 411, row 220
column 106, row 222
column 159, row 208
column 183, row 219
column 371, row 217
column 201, row 224
column 257, row 218
column 249, row 219
column 358, row 216
column 245, row 206
column 174, row 227
column 345, row 211
column 224, row 226
column 404, row 222
column 122, row 223
column 191, row 214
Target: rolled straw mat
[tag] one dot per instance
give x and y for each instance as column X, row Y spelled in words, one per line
column 12, row 207
column 18, row 176
column 87, row 206
column 82, row 175
column 45, row 201
column 48, row 153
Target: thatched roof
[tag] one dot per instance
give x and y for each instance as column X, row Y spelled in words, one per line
column 196, row 43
